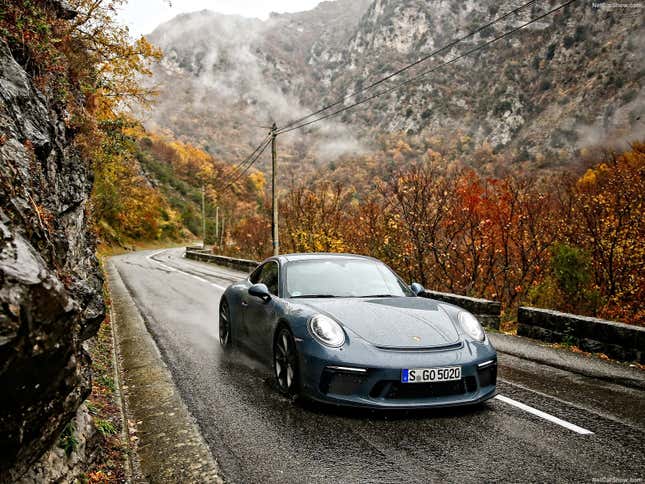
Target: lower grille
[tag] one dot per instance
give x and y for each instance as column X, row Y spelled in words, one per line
column 395, row 390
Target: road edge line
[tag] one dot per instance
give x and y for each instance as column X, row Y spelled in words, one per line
column 174, row 269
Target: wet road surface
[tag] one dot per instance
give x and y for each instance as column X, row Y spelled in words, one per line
column 258, row 436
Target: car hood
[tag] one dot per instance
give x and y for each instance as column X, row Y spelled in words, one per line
column 397, row 322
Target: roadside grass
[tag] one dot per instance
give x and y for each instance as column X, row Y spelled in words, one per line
column 508, row 327
column 105, row 426
column 104, row 406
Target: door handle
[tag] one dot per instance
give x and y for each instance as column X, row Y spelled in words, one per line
column 244, row 304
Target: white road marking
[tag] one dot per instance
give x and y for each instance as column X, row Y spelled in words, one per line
column 174, row 269
column 149, row 257
column 544, row 415
column 568, row 403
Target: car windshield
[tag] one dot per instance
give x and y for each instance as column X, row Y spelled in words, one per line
column 342, row 277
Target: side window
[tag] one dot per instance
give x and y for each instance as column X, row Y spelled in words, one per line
column 255, row 276
column 269, row 276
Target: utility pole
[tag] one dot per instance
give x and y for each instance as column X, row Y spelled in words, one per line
column 203, row 219
column 216, row 224
column 274, row 174
column 221, row 235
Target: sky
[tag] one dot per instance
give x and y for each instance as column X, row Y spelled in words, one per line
column 142, row 16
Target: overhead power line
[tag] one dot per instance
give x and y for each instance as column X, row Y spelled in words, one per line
column 428, row 71
column 409, row 66
column 252, row 161
column 237, row 167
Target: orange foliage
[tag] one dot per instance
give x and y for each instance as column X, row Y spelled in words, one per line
column 487, row 237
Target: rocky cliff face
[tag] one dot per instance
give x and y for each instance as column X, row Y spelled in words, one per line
column 568, row 81
column 50, row 284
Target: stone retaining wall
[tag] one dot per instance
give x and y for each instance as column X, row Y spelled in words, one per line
column 487, row 312
column 617, row 340
column 197, row 253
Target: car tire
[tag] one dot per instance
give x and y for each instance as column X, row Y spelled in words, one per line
column 225, row 333
column 285, row 363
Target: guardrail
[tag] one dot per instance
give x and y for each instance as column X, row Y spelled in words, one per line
column 488, row 312
column 617, row 340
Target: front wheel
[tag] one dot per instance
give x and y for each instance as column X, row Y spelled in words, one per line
column 224, row 325
column 285, row 363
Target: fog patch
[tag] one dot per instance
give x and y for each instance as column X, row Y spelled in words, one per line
column 615, row 128
column 224, row 74
column 331, row 149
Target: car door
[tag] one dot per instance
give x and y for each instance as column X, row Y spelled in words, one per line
column 260, row 315
column 243, row 335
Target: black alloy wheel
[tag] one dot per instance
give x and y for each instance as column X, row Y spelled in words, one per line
column 224, row 325
column 285, row 363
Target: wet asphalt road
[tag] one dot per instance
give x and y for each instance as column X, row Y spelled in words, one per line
column 258, row 436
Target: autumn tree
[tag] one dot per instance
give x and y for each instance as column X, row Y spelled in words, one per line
column 314, row 218
column 608, row 204
column 419, row 197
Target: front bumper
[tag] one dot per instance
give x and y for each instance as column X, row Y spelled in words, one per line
column 371, row 377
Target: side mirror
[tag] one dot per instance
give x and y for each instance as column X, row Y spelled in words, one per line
column 260, row 290
column 417, row 288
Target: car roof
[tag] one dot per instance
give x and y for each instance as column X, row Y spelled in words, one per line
column 320, row 256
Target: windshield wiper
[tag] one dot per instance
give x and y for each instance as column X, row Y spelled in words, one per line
column 311, row 296
column 380, row 295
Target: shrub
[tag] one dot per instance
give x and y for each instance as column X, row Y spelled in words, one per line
column 570, row 267
column 550, row 52
column 67, row 440
column 105, row 427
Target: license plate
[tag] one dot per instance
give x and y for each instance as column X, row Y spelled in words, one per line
column 425, row 375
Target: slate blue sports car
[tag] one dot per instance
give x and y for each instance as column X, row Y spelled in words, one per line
column 345, row 329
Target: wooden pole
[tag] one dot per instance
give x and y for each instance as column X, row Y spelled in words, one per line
column 203, row 219
column 216, row 224
column 274, row 175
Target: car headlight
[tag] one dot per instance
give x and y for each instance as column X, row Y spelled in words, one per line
column 326, row 331
column 471, row 326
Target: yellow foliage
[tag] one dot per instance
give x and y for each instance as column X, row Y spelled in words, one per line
column 258, row 180
column 589, row 178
